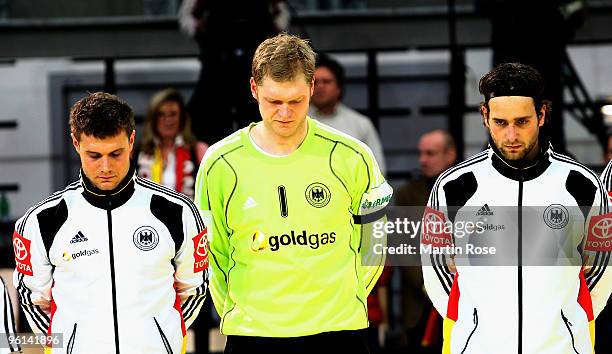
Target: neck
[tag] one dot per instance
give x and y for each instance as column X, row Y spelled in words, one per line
column 166, row 143
column 275, row 144
column 109, row 199
column 533, row 154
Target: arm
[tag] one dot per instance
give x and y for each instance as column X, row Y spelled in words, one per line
column 33, row 274
column 370, row 196
column 8, row 319
column 210, row 204
column 437, row 277
column 598, row 274
column 191, row 265
column 373, row 141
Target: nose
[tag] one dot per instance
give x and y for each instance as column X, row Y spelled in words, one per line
column 511, row 133
column 105, row 166
column 283, row 111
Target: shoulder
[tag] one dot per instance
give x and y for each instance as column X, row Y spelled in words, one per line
column 160, row 194
column 566, row 165
column 51, row 202
column 469, row 165
column 347, row 143
column 354, row 117
column 347, row 111
column 216, row 151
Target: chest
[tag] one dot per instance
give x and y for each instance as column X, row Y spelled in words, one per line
column 92, row 238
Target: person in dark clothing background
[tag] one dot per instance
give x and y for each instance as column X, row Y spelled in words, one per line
column 227, row 32
column 536, row 33
column 421, row 328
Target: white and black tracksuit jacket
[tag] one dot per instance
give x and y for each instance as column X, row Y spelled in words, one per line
column 7, row 323
column 115, row 272
column 523, row 304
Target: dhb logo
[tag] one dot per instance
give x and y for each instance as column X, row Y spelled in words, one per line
column 146, row 238
column 318, row 195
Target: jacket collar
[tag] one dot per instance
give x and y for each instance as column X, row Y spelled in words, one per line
column 113, row 198
column 523, row 170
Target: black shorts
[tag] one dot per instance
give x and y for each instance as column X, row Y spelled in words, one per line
column 353, row 342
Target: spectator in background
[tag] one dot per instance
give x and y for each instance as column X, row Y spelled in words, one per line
column 227, row 33
column 326, row 106
column 437, row 152
column 169, row 154
column 420, row 322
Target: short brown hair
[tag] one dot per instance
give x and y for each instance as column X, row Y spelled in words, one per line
column 282, row 58
column 101, row 115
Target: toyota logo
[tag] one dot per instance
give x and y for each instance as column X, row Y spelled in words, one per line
column 601, row 229
column 21, row 252
column 201, row 250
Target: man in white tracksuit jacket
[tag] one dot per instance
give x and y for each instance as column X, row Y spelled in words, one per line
column 115, row 263
column 548, row 217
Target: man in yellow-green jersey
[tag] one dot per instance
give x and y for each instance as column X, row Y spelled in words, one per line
column 290, row 202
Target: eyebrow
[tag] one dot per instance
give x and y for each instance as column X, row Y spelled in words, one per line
column 270, row 99
column 515, row 118
column 96, row 152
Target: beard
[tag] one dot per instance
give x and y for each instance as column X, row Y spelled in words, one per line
column 518, row 154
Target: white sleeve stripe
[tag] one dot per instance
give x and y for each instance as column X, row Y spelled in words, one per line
column 190, row 300
column 598, row 274
column 9, row 319
column 30, row 308
column 196, row 308
column 197, row 299
column 443, row 276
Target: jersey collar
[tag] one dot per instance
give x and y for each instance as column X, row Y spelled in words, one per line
column 109, row 199
column 524, row 172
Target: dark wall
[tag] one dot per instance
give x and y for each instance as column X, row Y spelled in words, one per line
column 73, row 8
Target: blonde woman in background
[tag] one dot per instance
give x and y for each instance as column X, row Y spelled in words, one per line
column 169, row 153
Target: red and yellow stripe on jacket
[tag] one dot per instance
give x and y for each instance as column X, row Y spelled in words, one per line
column 452, row 314
column 584, row 299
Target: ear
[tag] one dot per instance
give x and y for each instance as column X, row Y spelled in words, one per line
column 132, row 138
column 253, row 88
column 75, row 143
column 312, row 83
column 484, row 112
column 542, row 116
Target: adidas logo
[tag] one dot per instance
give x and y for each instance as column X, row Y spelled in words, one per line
column 485, row 210
column 250, row 203
column 79, row 237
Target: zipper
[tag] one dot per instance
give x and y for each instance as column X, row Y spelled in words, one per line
column 520, row 266
column 112, row 269
column 70, row 344
column 568, row 324
column 473, row 330
column 163, row 337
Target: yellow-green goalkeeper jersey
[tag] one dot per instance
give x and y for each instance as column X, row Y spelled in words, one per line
column 289, row 252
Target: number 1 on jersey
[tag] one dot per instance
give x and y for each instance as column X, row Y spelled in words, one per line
column 282, row 198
